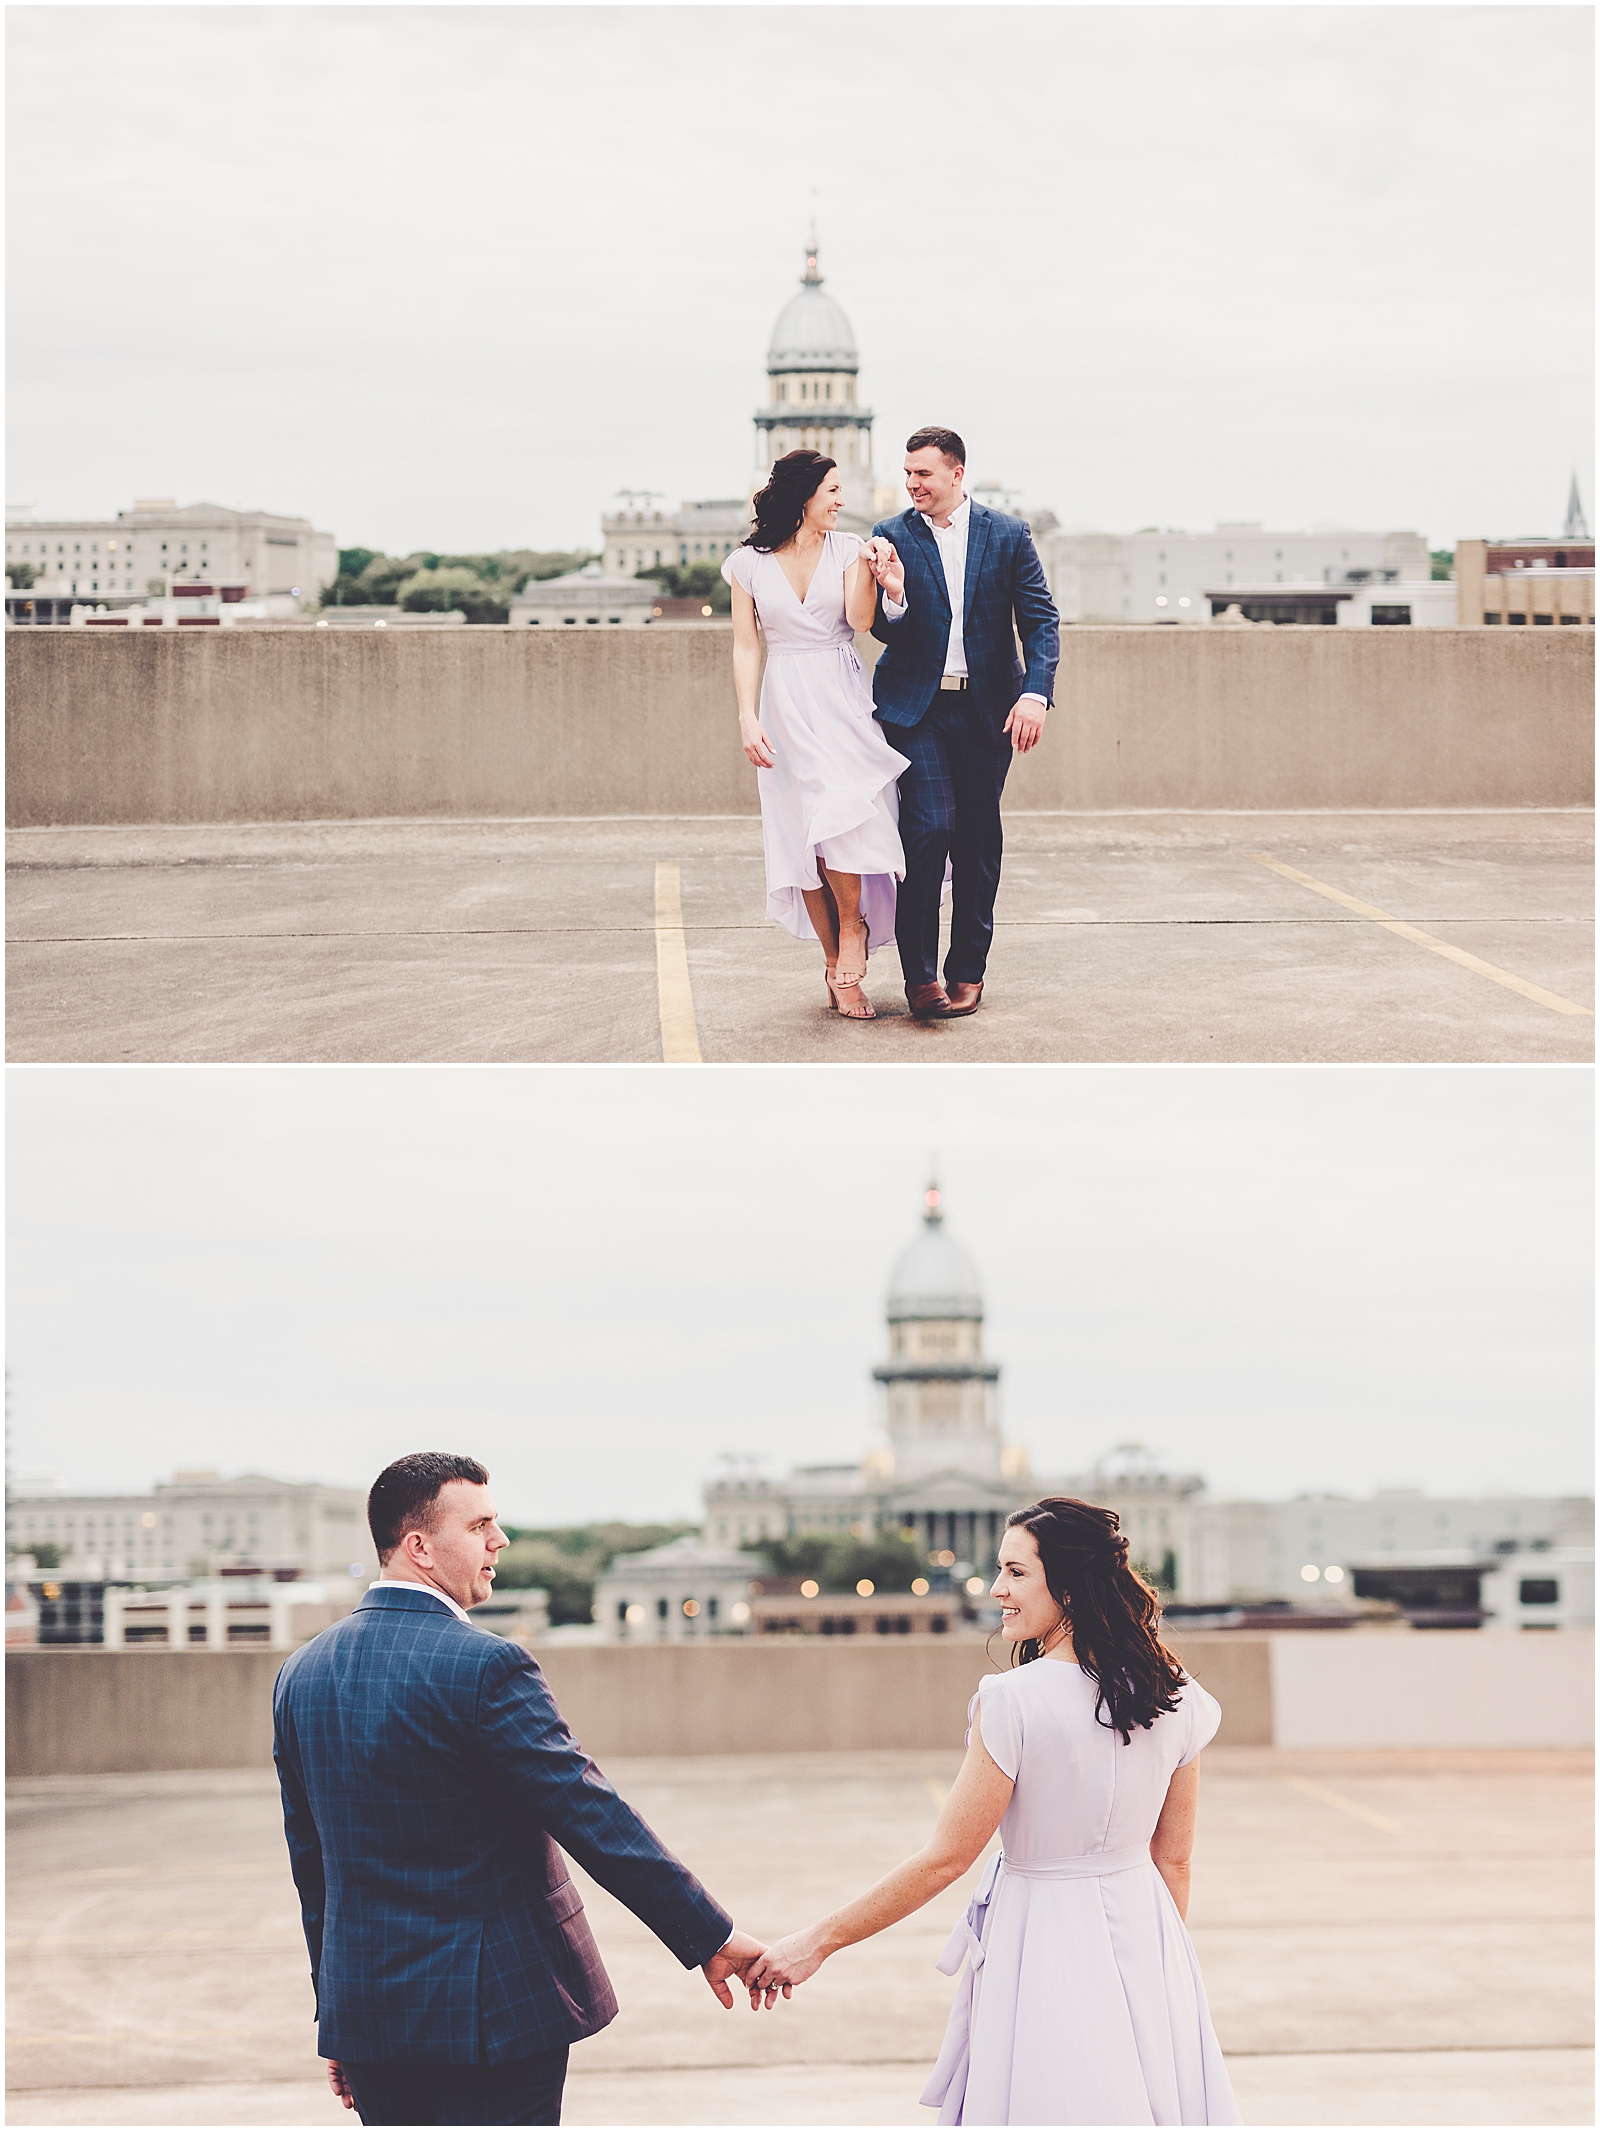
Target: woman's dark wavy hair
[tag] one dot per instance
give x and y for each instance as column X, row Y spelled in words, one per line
column 781, row 505
column 1110, row 1610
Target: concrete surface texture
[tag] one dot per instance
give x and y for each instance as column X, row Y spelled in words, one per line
column 1386, row 1939
column 91, row 1712
column 1119, row 938
column 286, row 725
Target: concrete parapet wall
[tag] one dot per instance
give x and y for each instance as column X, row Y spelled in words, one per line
column 98, row 1712
column 1434, row 1688
column 301, row 725
column 93, row 1712
column 89, row 1712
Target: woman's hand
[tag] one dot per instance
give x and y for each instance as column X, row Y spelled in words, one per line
column 785, row 1963
column 755, row 742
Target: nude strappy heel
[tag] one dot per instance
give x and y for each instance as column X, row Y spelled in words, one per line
column 852, row 980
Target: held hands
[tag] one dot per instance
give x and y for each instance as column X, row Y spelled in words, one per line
column 785, row 1963
column 736, row 1958
column 882, row 560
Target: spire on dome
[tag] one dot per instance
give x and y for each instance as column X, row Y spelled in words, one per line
column 931, row 1204
column 811, row 278
column 1577, row 526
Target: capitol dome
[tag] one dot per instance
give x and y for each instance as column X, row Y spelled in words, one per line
column 812, row 332
column 933, row 1277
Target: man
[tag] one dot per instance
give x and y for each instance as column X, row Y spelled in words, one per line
column 952, row 575
column 427, row 1777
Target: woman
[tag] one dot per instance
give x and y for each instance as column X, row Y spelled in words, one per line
column 1082, row 2002
column 827, row 776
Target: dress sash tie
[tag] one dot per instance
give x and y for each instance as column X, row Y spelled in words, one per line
column 947, row 2087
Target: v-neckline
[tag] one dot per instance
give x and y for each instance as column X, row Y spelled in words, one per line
column 801, row 597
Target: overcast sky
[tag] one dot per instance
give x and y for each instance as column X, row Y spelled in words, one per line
column 602, row 1279
column 449, row 277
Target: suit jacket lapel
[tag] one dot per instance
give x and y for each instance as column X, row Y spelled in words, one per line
column 919, row 535
column 977, row 541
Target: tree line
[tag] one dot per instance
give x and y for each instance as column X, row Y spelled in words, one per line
column 479, row 586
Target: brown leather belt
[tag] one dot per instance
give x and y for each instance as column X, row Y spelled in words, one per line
column 953, row 680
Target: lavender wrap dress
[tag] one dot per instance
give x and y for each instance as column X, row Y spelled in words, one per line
column 832, row 792
column 1081, row 2001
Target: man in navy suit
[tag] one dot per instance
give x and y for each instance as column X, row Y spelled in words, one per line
column 953, row 580
column 427, row 1777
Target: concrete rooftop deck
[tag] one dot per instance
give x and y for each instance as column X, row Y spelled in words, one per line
column 1120, row 938
column 1395, row 1938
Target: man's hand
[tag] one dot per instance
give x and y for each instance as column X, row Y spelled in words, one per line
column 737, row 1958
column 885, row 564
column 1026, row 723
column 339, row 2084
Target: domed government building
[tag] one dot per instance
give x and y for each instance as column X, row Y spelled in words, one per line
column 812, row 402
column 944, row 1475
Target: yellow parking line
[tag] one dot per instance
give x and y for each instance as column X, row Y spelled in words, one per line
column 680, row 1042
column 1343, row 1805
column 1535, row 992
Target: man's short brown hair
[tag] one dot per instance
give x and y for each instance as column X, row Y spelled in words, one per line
column 405, row 1495
column 944, row 440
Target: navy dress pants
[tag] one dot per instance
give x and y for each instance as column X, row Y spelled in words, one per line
column 949, row 809
column 526, row 2092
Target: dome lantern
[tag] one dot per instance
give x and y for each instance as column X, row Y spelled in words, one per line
column 934, row 1281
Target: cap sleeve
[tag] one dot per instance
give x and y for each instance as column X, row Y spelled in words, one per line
column 1001, row 1722
column 849, row 548
column 1205, row 1714
column 736, row 568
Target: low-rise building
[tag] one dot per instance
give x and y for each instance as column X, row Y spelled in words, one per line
column 156, row 539
column 197, row 1523
column 1368, row 599
column 678, row 1593
column 846, row 1613
column 645, row 532
column 1174, row 576
column 584, row 597
column 1515, row 584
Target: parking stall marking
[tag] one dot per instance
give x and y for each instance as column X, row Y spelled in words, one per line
column 1535, row 992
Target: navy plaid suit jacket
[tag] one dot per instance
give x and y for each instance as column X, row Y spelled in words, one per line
column 1004, row 578
column 427, row 1776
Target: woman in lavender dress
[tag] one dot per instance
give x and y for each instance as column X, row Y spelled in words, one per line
column 1081, row 2001
column 827, row 776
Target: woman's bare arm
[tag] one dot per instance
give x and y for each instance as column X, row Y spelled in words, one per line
column 970, row 1815
column 1172, row 1844
column 860, row 594
column 747, row 679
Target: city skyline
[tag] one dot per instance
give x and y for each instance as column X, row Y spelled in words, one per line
column 1284, row 1282
column 1127, row 318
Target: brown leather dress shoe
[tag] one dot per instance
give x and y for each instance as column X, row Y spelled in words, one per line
column 928, row 1002
column 964, row 998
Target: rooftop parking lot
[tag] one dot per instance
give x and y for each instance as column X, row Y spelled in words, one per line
column 1120, row 938
column 1396, row 1938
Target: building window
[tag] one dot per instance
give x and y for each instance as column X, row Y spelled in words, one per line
column 661, row 1609
column 1538, row 1591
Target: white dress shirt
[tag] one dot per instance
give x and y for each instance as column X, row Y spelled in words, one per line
column 404, row 1583
column 951, row 541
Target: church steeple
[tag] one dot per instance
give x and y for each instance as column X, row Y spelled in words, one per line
column 1577, row 526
